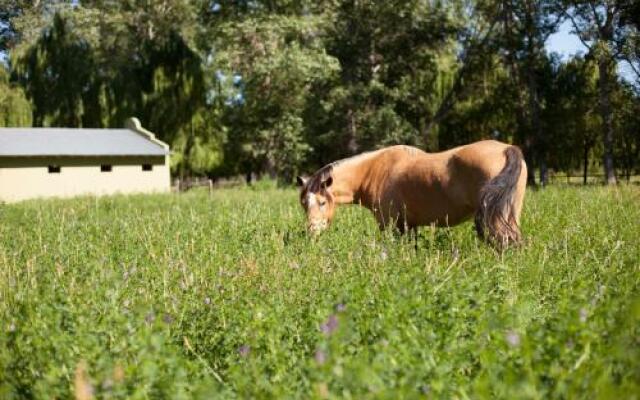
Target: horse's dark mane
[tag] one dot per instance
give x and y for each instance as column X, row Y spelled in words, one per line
column 315, row 182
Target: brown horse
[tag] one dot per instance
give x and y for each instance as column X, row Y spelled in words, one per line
column 407, row 187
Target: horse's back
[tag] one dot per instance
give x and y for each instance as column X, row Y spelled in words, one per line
column 487, row 156
column 476, row 161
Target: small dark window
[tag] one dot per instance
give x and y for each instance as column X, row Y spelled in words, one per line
column 54, row 169
column 147, row 167
column 105, row 168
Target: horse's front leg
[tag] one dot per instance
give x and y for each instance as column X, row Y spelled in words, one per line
column 396, row 220
column 403, row 227
column 414, row 234
column 383, row 223
column 391, row 216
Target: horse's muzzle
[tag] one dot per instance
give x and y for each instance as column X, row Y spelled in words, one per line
column 316, row 227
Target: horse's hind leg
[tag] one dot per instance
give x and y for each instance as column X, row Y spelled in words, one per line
column 518, row 199
column 414, row 234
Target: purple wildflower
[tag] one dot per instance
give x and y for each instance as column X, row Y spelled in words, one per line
column 320, row 357
column 167, row 318
column 149, row 318
column 330, row 325
column 207, row 301
column 340, row 307
column 513, row 339
column 244, row 350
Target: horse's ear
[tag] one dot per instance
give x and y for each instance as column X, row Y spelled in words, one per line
column 327, row 182
column 300, row 181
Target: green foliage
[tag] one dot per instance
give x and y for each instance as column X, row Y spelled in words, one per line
column 282, row 147
column 57, row 76
column 223, row 295
column 198, row 149
column 395, row 57
column 278, row 58
column 15, row 109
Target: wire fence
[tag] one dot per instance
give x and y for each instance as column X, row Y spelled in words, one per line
column 187, row 184
column 592, row 179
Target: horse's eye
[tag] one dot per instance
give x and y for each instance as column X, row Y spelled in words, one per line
column 322, row 203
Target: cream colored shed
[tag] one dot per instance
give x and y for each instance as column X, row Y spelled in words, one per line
column 65, row 162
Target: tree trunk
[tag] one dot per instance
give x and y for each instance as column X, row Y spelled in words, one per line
column 352, row 128
column 185, row 165
column 607, row 117
column 36, row 118
column 544, row 172
column 535, row 123
column 585, row 161
column 270, row 168
column 628, row 160
column 428, row 133
column 527, row 151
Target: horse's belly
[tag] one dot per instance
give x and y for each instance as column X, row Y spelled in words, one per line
column 435, row 207
column 440, row 217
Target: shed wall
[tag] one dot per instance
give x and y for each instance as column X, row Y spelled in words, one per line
column 21, row 180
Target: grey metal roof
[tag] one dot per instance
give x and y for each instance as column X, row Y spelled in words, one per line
column 38, row 142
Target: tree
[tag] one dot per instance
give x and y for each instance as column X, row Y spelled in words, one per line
column 15, row 109
column 56, row 73
column 396, row 59
column 276, row 60
column 573, row 114
column 626, row 103
column 525, row 27
column 597, row 23
column 477, row 23
column 630, row 21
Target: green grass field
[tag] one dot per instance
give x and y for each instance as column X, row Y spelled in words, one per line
column 223, row 296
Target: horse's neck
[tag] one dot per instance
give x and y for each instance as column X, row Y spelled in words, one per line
column 350, row 178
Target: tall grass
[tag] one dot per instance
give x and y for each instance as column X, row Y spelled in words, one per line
column 183, row 296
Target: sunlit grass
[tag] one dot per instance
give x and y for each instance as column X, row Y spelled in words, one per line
column 191, row 295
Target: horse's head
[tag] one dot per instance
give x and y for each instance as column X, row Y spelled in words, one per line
column 317, row 201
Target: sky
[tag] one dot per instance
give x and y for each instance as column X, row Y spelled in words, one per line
column 565, row 43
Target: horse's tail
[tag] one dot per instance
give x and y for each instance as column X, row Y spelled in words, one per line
column 496, row 219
